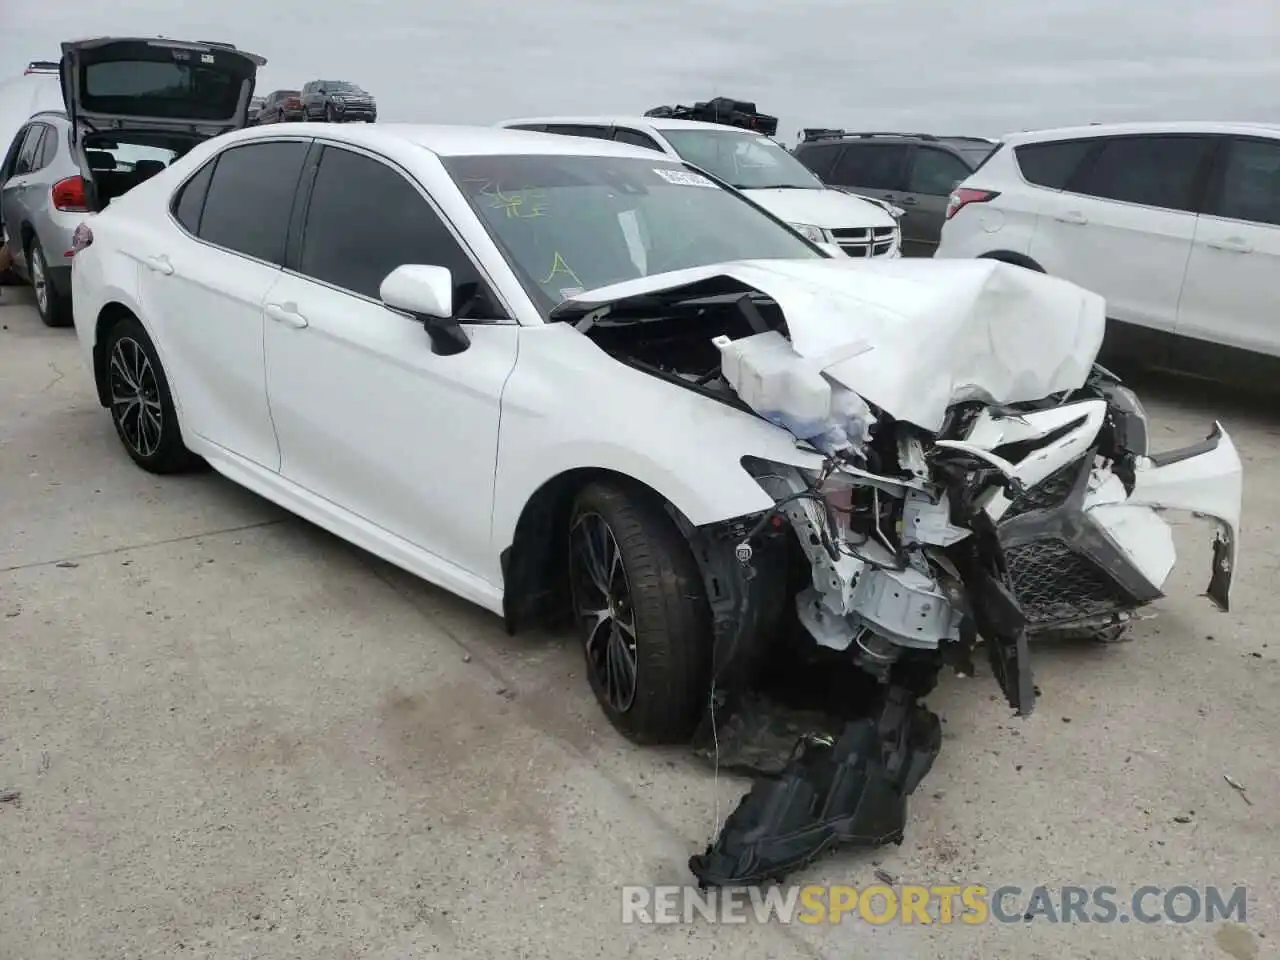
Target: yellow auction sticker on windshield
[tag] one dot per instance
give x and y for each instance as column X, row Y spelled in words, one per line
column 683, row 178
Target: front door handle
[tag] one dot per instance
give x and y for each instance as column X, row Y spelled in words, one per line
column 1072, row 216
column 1231, row 244
column 160, row 264
column 287, row 314
column 908, row 201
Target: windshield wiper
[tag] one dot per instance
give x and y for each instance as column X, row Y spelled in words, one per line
column 775, row 186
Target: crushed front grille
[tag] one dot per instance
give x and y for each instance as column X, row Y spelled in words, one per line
column 1053, row 584
column 866, row 241
column 1050, row 492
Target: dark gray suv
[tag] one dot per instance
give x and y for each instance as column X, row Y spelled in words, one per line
column 913, row 171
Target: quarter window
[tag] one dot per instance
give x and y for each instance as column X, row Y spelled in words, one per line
column 819, row 158
column 251, row 196
column 30, row 149
column 365, row 219
column 1051, row 164
column 635, row 138
column 579, row 130
column 1250, row 187
column 189, row 203
column 1152, row 171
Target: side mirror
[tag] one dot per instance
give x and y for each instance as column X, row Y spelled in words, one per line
column 426, row 292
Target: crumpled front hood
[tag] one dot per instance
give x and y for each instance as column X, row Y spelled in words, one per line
column 911, row 336
column 828, row 209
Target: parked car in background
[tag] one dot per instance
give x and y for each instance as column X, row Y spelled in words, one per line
column 915, row 172
column 338, row 101
column 255, row 108
column 755, row 164
column 21, row 97
column 282, row 106
column 120, row 126
column 1177, row 225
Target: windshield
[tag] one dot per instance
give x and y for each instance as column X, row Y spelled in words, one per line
column 341, row 86
column 567, row 224
column 746, row 160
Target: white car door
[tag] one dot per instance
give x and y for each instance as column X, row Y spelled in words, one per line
column 1123, row 226
column 1232, row 290
column 204, row 287
column 368, row 416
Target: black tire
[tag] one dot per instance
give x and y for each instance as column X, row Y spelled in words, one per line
column 662, row 591
column 133, row 372
column 330, row 114
column 54, row 307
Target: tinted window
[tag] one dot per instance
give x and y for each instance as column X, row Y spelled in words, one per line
column 1051, row 164
column 819, row 157
column 1153, row 171
column 635, row 138
column 936, row 172
column 189, row 202
column 251, row 197
column 1250, row 185
column 579, row 130
column 366, row 219
column 160, row 89
column 30, row 144
column 871, row 166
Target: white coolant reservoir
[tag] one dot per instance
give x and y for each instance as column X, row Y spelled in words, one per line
column 776, row 382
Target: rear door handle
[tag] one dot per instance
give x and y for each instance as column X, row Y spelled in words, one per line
column 160, row 264
column 1072, row 216
column 1232, row 244
column 286, row 314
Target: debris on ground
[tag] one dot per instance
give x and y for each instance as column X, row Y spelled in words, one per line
column 10, row 796
column 1238, row 787
column 885, row 877
column 850, row 790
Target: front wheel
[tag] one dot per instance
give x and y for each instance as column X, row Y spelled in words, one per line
column 642, row 611
column 330, row 114
column 140, row 401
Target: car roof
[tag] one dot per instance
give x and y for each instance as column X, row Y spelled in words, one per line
column 452, row 140
column 1241, row 127
column 655, row 123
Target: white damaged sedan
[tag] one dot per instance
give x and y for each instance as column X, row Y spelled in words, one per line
column 568, row 378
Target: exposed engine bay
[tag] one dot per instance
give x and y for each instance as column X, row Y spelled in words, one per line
column 1006, row 504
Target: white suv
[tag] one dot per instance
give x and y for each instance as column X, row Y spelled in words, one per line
column 757, row 166
column 1177, row 225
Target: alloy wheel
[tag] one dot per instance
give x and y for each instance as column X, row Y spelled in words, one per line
column 135, row 397
column 603, row 605
column 40, row 280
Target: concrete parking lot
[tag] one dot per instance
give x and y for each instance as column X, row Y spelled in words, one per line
column 226, row 734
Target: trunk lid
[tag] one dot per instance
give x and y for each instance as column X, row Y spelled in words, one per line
column 156, row 84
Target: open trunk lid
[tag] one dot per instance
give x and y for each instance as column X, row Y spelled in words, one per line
column 151, row 83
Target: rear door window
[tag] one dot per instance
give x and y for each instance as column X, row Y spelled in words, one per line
column 250, row 198
column 1051, row 164
column 872, row 166
column 29, row 150
column 935, row 172
column 365, row 219
column 1154, row 171
column 1249, row 188
column 48, row 147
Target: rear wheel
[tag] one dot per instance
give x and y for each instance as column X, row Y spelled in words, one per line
column 642, row 613
column 140, row 401
column 54, row 308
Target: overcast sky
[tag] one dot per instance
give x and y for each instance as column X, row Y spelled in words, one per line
column 984, row 67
